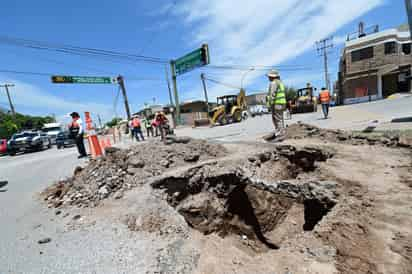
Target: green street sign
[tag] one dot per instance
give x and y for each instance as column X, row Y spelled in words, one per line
column 196, row 58
column 59, row 79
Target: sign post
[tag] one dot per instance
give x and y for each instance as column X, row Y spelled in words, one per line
column 63, row 79
column 197, row 58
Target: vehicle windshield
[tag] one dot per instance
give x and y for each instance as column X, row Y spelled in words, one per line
column 25, row 134
column 51, row 129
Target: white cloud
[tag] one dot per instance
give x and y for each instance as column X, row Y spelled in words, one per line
column 264, row 32
column 28, row 96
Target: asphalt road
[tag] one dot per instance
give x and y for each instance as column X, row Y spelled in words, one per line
column 25, row 219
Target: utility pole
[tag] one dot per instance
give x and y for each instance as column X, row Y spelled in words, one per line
column 120, row 80
column 202, row 76
column 322, row 47
column 100, row 121
column 168, row 86
column 408, row 5
column 6, row 86
column 172, row 67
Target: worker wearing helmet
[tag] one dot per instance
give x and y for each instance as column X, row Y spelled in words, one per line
column 276, row 100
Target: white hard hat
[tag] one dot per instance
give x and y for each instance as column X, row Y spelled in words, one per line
column 273, row 73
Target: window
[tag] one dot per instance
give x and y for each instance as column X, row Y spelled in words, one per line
column 406, row 48
column 362, row 54
column 390, row 48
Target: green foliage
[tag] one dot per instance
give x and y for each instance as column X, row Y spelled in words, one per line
column 10, row 124
column 113, row 122
column 291, row 93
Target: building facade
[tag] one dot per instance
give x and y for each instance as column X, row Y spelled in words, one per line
column 256, row 99
column 374, row 66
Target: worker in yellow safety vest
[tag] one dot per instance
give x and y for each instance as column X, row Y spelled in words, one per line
column 276, row 100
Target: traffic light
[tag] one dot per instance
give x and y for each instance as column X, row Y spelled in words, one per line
column 205, row 54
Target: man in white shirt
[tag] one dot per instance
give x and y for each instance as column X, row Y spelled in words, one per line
column 77, row 132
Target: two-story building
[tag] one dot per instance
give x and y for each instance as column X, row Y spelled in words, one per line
column 374, row 66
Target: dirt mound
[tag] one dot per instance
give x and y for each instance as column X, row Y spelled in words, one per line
column 302, row 131
column 217, row 198
column 121, row 170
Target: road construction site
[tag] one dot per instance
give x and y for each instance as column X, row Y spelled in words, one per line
column 320, row 201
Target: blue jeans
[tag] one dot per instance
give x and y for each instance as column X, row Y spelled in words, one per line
column 137, row 131
column 325, row 109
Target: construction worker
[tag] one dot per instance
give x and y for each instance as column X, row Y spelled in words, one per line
column 136, row 127
column 161, row 122
column 149, row 127
column 324, row 97
column 276, row 100
column 76, row 130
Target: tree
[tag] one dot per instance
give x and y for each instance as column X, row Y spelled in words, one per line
column 10, row 124
column 113, row 122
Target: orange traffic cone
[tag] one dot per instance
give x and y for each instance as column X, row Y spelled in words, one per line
column 108, row 144
column 102, row 144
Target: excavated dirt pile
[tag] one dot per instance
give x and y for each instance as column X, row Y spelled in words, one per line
column 122, row 170
column 302, row 131
column 231, row 199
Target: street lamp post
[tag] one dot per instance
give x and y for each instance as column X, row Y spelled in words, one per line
column 244, row 76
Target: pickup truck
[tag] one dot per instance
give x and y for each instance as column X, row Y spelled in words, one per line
column 28, row 141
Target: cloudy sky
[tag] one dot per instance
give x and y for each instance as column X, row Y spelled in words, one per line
column 239, row 33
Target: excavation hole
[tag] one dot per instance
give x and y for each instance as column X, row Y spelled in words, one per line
column 314, row 211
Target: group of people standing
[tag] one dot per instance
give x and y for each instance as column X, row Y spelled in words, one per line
column 154, row 127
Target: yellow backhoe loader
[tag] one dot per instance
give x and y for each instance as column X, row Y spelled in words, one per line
column 229, row 109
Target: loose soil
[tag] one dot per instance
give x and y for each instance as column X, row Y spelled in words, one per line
column 320, row 201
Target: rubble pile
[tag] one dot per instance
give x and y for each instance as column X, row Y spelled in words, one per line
column 302, row 131
column 121, row 170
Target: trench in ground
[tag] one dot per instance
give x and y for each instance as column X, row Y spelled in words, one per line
column 231, row 204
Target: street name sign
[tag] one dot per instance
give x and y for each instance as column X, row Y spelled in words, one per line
column 195, row 59
column 60, row 79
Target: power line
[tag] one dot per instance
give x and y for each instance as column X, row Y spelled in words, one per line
column 221, row 83
column 82, row 51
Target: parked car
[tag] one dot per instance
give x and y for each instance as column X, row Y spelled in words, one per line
column 28, row 141
column 3, row 146
column 64, row 139
column 258, row 110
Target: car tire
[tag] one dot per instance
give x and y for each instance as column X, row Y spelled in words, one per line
column 12, row 153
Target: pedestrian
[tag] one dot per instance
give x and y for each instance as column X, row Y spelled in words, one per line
column 324, row 98
column 161, row 122
column 149, row 127
column 136, row 127
column 76, row 130
column 276, row 100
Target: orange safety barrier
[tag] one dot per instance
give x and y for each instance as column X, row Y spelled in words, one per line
column 95, row 148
